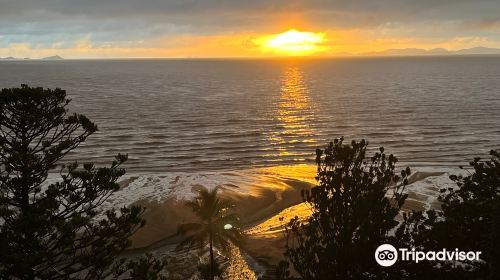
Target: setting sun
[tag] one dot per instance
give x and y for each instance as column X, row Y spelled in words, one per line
column 294, row 42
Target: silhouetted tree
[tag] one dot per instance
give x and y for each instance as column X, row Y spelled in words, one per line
column 55, row 230
column 354, row 207
column 469, row 219
column 143, row 268
column 217, row 227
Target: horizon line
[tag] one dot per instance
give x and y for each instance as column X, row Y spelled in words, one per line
column 255, row 57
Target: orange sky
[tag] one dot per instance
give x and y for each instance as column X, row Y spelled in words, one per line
column 209, row 28
column 335, row 43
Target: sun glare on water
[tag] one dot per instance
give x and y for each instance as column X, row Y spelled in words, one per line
column 294, row 42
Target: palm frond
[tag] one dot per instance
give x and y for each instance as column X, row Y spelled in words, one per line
column 214, row 214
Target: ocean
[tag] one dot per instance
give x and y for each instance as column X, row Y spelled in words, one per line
column 226, row 115
column 252, row 127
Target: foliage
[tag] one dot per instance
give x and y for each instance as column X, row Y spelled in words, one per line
column 55, row 230
column 146, row 267
column 214, row 215
column 469, row 219
column 354, row 207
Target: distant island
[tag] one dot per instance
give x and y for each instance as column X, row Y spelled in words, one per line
column 389, row 52
column 54, row 57
column 437, row 51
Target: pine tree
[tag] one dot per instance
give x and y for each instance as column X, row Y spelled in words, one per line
column 354, row 207
column 56, row 230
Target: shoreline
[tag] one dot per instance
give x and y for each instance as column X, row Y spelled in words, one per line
column 261, row 196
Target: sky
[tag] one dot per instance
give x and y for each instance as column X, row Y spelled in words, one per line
column 230, row 28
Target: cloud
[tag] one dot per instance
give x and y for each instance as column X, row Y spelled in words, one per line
column 485, row 24
column 134, row 24
column 225, row 13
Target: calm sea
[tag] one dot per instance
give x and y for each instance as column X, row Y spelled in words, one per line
column 214, row 115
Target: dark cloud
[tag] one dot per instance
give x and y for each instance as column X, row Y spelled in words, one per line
column 177, row 9
column 486, row 24
column 121, row 20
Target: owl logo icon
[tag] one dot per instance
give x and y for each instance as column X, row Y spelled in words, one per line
column 386, row 255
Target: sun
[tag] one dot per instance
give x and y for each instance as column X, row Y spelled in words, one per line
column 293, row 42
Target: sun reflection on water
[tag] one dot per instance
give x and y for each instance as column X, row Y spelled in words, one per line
column 294, row 112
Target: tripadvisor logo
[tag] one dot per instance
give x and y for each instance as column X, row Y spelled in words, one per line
column 387, row 255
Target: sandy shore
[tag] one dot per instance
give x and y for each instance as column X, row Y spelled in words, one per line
column 254, row 202
column 265, row 201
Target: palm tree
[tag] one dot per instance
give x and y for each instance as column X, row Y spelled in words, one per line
column 217, row 226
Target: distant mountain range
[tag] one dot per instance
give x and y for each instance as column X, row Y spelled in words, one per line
column 389, row 52
column 438, row 51
column 54, row 57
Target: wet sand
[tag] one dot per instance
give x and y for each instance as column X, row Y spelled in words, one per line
column 265, row 203
column 256, row 201
column 163, row 218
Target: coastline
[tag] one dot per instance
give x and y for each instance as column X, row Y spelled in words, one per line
column 262, row 196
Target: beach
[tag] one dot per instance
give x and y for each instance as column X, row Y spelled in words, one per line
column 266, row 198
